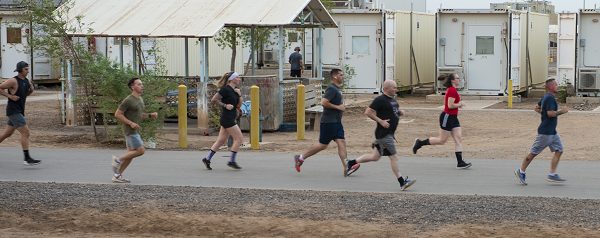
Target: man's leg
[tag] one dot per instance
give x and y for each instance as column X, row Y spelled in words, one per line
column 24, row 130
column 129, row 156
column 7, row 133
column 341, row 143
column 555, row 160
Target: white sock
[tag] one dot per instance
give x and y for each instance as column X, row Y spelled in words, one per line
column 521, row 171
column 552, row 174
column 301, row 158
column 117, row 175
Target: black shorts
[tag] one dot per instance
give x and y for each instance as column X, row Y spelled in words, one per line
column 296, row 73
column 330, row 131
column 448, row 122
column 227, row 123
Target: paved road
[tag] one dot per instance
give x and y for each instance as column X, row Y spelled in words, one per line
column 271, row 170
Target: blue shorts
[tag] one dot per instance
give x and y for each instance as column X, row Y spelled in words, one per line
column 330, row 131
column 543, row 141
column 134, row 141
column 17, row 120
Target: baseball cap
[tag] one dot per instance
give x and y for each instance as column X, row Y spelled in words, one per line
column 21, row 65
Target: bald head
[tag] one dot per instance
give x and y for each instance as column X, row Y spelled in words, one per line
column 390, row 87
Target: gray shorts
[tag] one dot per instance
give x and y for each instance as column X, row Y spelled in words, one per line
column 134, row 141
column 17, row 120
column 543, row 141
column 386, row 146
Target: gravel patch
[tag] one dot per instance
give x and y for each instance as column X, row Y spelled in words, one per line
column 423, row 211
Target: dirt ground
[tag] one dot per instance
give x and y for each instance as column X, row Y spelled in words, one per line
column 487, row 134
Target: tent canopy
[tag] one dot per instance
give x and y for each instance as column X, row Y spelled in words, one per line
column 189, row 18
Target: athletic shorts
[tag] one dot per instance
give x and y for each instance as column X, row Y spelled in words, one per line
column 386, row 146
column 296, row 73
column 17, row 120
column 330, row 131
column 543, row 141
column 227, row 124
column 448, row 122
column 134, row 141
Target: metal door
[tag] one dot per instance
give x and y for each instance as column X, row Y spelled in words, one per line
column 14, row 39
column 360, row 58
column 484, row 64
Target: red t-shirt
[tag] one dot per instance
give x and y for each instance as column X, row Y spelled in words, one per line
column 451, row 93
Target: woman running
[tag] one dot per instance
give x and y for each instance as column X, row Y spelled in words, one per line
column 449, row 125
column 229, row 99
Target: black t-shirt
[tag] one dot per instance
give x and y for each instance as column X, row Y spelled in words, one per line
column 15, row 107
column 229, row 96
column 386, row 108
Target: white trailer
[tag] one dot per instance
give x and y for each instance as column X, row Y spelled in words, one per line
column 489, row 47
column 588, row 62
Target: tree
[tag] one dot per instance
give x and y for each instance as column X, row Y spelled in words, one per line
column 104, row 83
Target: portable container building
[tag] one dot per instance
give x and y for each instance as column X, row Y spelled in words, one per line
column 489, row 47
column 371, row 45
column 588, row 52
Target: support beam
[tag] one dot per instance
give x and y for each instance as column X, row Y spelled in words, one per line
column 121, row 51
column 320, row 54
column 70, row 95
column 202, row 101
column 252, row 49
column 187, row 57
column 281, row 52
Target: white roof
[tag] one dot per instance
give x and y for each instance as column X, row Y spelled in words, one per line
column 188, row 18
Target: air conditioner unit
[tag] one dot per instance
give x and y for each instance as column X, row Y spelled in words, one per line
column 588, row 79
column 270, row 56
column 451, row 70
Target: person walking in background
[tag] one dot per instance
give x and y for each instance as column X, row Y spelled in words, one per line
column 131, row 113
column 19, row 87
column 229, row 99
column 297, row 66
column 546, row 134
column 331, row 128
column 386, row 112
column 449, row 124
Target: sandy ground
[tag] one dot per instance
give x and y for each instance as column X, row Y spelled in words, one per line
column 488, row 134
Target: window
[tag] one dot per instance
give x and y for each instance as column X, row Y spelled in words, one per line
column 485, row 45
column 13, row 35
column 360, row 45
column 292, row 36
column 117, row 40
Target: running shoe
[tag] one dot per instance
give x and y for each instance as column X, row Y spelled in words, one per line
column 352, row 167
column 555, row 178
column 416, row 146
column 120, row 179
column 407, row 183
column 463, row 165
column 520, row 176
column 297, row 163
column 206, row 163
column 31, row 162
column 233, row 165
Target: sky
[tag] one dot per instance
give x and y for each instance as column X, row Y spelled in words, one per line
column 561, row 5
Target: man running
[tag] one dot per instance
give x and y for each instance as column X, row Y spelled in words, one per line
column 547, row 135
column 386, row 112
column 131, row 113
column 331, row 128
column 19, row 87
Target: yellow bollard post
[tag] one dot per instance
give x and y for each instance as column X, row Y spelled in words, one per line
column 300, row 113
column 182, row 116
column 510, row 93
column 254, row 117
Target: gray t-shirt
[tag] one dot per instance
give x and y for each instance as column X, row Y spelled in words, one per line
column 294, row 60
column 333, row 94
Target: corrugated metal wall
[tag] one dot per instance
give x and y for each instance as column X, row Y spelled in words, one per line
column 423, row 42
column 172, row 50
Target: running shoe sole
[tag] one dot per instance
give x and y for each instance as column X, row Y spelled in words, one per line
column 31, row 164
column 407, row 185
column 465, row 167
column 353, row 169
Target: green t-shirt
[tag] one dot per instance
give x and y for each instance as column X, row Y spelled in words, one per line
column 132, row 107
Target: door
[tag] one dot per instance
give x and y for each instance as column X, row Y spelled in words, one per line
column 13, row 49
column 360, row 58
column 484, row 58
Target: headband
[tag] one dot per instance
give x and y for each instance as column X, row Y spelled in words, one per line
column 233, row 76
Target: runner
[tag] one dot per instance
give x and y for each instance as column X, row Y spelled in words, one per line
column 547, row 135
column 19, row 87
column 131, row 113
column 331, row 128
column 449, row 124
column 229, row 99
column 386, row 112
